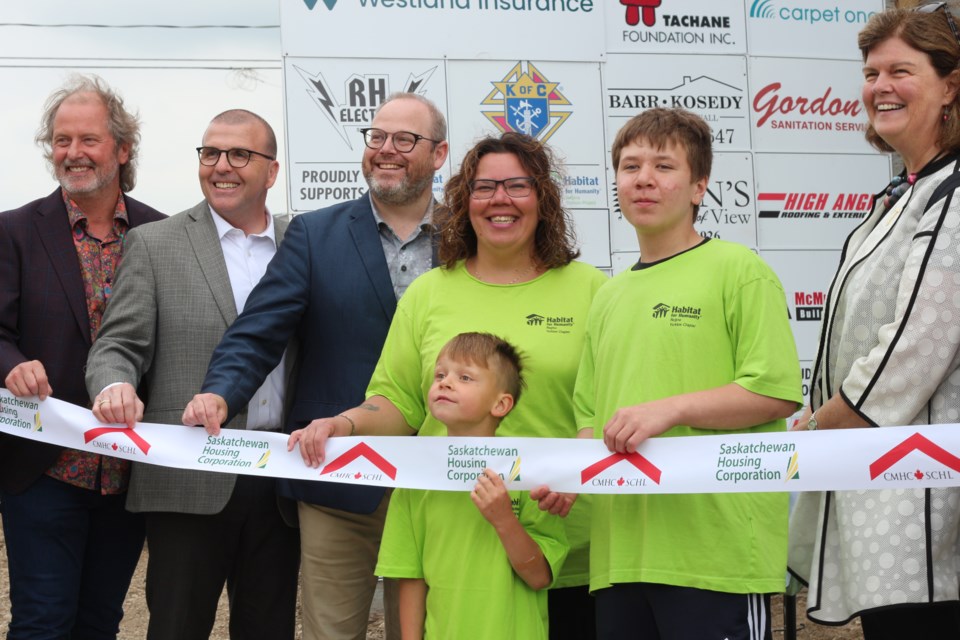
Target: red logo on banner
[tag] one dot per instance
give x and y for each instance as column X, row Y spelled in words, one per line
column 362, row 450
column 768, row 102
column 636, row 8
column 135, row 437
column 916, row 442
column 637, row 460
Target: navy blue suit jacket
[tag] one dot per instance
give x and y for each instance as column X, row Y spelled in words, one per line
column 43, row 316
column 329, row 289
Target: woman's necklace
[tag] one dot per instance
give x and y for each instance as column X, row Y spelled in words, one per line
column 897, row 187
column 519, row 275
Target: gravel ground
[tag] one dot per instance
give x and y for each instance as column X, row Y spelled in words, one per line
column 134, row 625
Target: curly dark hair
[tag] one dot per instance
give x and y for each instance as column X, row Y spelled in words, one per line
column 554, row 241
column 929, row 33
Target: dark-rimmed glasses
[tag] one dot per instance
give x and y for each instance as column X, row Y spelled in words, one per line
column 930, row 8
column 237, row 158
column 514, row 187
column 403, row 141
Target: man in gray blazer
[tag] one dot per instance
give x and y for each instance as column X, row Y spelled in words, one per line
column 182, row 283
column 334, row 285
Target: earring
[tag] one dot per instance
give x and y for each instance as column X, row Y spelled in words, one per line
column 946, row 113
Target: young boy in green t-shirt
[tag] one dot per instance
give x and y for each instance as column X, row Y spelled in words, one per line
column 472, row 567
column 694, row 339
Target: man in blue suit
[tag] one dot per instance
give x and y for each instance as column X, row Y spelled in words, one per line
column 332, row 289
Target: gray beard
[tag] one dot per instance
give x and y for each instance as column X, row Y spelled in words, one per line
column 402, row 194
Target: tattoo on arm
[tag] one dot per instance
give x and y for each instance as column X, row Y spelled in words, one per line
column 369, row 407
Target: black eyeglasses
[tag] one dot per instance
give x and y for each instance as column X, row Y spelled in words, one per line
column 931, row 8
column 237, row 158
column 403, row 141
column 513, row 187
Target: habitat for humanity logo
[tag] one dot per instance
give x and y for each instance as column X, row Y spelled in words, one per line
column 679, row 315
column 141, row 444
column 594, row 474
column 552, row 324
column 362, row 94
column 916, row 442
column 337, row 467
column 312, row 3
column 527, row 103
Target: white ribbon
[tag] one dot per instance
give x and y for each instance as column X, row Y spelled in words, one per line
column 887, row 458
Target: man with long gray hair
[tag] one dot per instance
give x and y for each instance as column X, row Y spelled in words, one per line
column 71, row 546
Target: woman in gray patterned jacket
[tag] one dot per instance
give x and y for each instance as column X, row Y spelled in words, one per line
column 890, row 347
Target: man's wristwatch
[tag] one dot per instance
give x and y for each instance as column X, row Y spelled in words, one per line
column 812, row 424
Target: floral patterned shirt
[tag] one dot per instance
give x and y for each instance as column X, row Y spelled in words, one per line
column 99, row 259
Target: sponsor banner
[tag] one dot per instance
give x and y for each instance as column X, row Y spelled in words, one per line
column 887, row 458
column 788, row 27
column 805, row 203
column 807, row 105
column 713, row 87
column 727, row 211
column 327, row 103
column 676, row 26
column 806, row 276
column 555, row 102
column 465, row 29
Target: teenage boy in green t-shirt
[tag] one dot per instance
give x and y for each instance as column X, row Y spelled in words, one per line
column 472, row 567
column 693, row 340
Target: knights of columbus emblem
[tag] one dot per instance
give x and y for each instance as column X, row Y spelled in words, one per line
column 526, row 100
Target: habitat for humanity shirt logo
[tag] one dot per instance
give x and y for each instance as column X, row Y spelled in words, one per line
column 551, row 324
column 342, row 468
column 679, row 315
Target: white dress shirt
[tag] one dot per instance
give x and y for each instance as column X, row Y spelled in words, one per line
column 247, row 257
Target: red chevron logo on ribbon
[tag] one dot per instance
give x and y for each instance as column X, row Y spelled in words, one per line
column 362, row 450
column 135, row 437
column 637, row 460
column 916, row 442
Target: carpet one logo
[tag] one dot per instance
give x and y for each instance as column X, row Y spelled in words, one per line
column 353, row 107
column 813, row 15
column 661, row 21
column 882, row 467
column 817, row 205
column 527, row 102
column 677, row 315
column 348, row 466
column 551, row 324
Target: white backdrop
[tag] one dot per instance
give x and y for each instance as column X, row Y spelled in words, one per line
column 778, row 80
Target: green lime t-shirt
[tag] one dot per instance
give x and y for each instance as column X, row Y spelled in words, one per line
column 473, row 592
column 702, row 319
column 544, row 318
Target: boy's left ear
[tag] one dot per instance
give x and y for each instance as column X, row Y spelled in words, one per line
column 503, row 406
